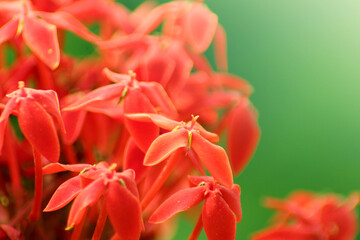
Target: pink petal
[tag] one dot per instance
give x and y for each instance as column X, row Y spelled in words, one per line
column 58, row 167
column 218, row 219
column 243, row 136
column 158, row 97
column 124, row 211
column 68, row 22
column 165, row 145
column 232, row 198
column 234, row 82
column 9, row 30
column 64, row 194
column 88, row 197
column 178, row 202
column 38, row 128
column 41, row 38
column 116, row 77
column 200, row 25
column 157, row 119
column 214, row 159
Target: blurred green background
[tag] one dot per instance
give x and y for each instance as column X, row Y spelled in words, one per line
column 302, row 57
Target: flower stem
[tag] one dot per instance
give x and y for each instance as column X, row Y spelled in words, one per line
column 35, row 212
column 100, row 222
column 197, row 229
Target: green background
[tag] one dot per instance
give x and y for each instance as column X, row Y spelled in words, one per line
column 302, row 57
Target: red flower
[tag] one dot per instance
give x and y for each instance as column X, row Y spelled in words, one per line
column 193, row 139
column 220, row 212
column 35, row 110
column 39, row 34
column 118, row 190
column 305, row 216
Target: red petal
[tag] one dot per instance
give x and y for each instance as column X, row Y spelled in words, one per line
column 243, row 136
column 285, row 232
column 89, row 196
column 218, row 219
column 134, row 159
column 200, row 26
column 100, row 94
column 64, row 194
column 38, row 128
column 9, row 30
column 58, row 167
column 11, row 233
column 158, row 97
column 124, row 211
column 157, row 119
column 73, row 121
column 116, row 77
column 41, row 38
column 68, row 22
column 214, row 159
column 165, row 145
column 232, row 198
column 212, row 137
column 128, row 176
column 48, row 99
column 178, row 202
column 9, row 107
column 143, row 133
column 220, row 49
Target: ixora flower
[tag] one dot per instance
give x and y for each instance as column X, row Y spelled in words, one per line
column 35, row 110
column 118, row 191
column 306, row 216
column 220, row 212
column 38, row 29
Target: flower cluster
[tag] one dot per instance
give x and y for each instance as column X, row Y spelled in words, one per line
column 130, row 134
column 122, row 134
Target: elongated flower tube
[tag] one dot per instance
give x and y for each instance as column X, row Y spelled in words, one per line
column 220, row 212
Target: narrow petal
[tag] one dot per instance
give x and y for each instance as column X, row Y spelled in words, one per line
column 100, row 94
column 38, row 128
column 41, row 38
column 9, row 30
column 218, row 219
column 58, row 167
column 128, row 176
column 164, row 145
column 178, row 202
column 158, row 97
column 116, row 77
column 64, row 194
column 4, row 117
column 11, row 232
column 124, row 211
column 243, row 136
column 87, row 197
column 68, row 22
column 200, row 25
column 157, row 119
column 232, row 198
column 212, row 137
column 214, row 159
